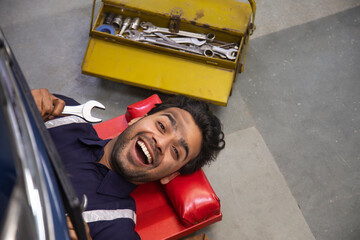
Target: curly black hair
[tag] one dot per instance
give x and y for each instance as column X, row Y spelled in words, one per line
column 210, row 126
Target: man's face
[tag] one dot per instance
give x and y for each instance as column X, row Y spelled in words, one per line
column 156, row 146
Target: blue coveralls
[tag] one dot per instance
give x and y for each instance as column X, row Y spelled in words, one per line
column 111, row 210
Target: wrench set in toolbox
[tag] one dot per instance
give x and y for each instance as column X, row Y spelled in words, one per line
column 146, row 32
column 194, row 48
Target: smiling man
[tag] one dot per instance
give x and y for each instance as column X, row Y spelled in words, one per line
column 176, row 137
column 154, row 147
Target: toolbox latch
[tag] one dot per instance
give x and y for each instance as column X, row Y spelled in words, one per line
column 174, row 24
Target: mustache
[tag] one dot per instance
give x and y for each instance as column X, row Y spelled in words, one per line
column 150, row 144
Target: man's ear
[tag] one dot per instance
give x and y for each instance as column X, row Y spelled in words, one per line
column 167, row 179
column 134, row 120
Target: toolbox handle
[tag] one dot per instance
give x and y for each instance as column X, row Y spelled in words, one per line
column 252, row 23
column 92, row 16
column 253, row 9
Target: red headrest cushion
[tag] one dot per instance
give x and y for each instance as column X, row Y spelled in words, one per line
column 139, row 109
column 193, row 198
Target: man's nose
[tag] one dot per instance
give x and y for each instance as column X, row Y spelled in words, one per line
column 162, row 142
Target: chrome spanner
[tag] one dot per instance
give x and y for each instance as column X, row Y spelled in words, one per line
column 189, row 40
column 139, row 36
column 210, row 50
column 164, row 37
column 150, row 28
column 229, row 53
column 155, row 35
column 84, row 110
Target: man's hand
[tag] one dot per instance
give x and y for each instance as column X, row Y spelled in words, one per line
column 72, row 232
column 49, row 106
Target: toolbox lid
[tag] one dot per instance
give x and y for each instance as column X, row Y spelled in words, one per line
column 230, row 15
column 157, row 71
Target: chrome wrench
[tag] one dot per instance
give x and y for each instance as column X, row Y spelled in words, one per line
column 139, row 36
column 150, row 28
column 84, row 110
column 210, row 50
column 229, row 53
column 189, row 40
column 162, row 36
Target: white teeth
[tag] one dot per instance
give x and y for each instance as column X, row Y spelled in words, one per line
column 144, row 149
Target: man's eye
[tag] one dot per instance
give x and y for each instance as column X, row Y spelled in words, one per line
column 176, row 152
column 161, row 126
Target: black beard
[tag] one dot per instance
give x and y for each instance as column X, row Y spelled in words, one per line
column 115, row 162
column 119, row 146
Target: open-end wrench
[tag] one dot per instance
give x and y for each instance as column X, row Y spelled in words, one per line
column 150, row 28
column 84, row 110
column 210, row 50
column 155, row 35
column 229, row 53
column 139, row 36
column 189, row 40
column 162, row 36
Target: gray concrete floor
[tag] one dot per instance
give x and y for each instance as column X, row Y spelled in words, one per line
column 291, row 166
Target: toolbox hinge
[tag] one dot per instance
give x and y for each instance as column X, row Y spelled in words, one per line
column 252, row 26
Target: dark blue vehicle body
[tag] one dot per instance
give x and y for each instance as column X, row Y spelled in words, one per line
column 35, row 193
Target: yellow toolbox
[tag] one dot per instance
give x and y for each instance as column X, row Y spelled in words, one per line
column 124, row 47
